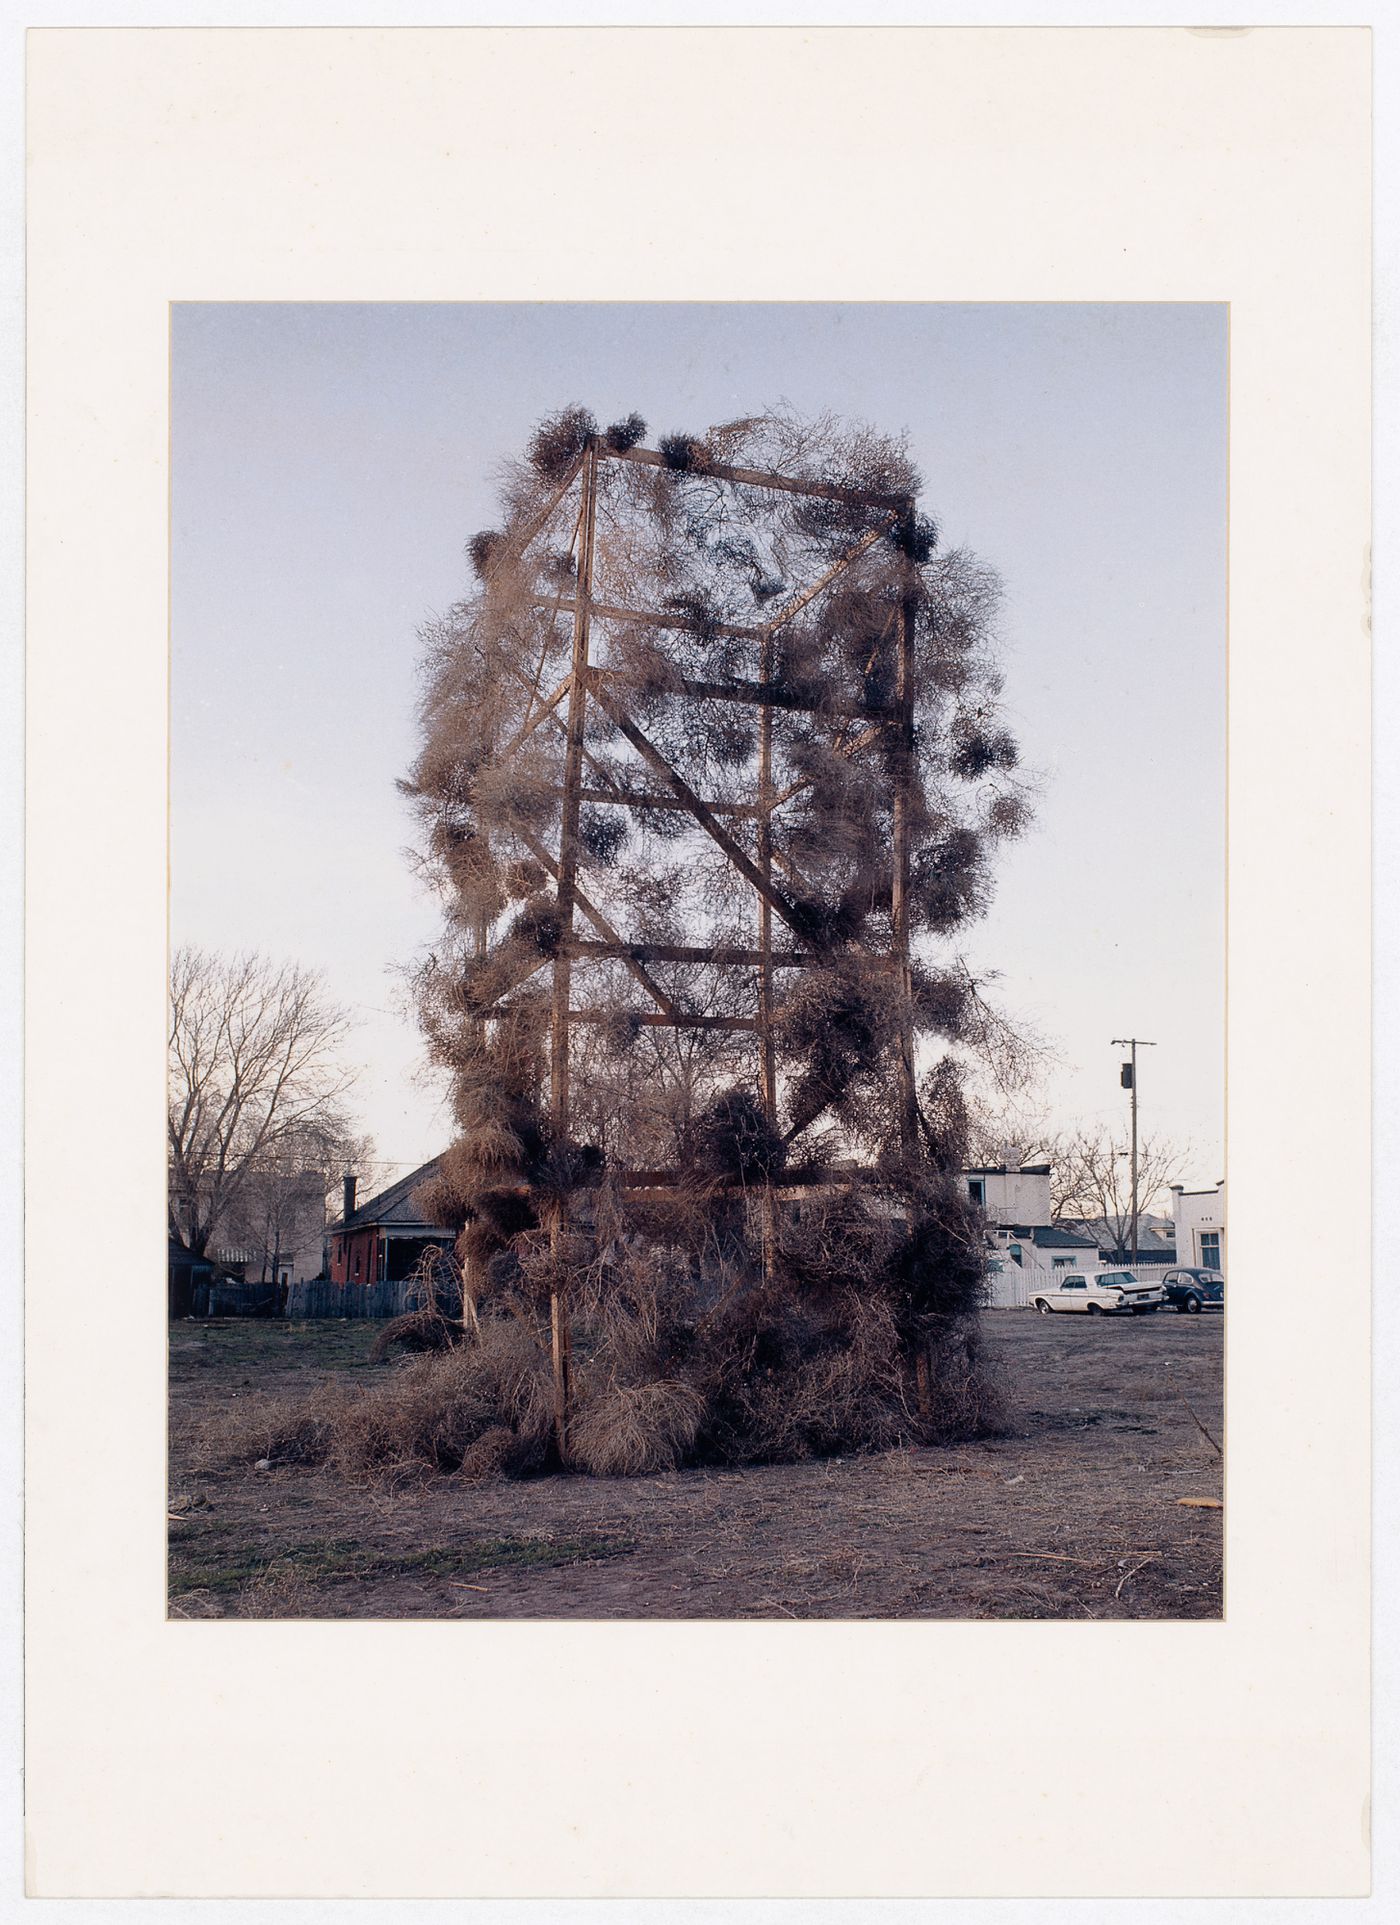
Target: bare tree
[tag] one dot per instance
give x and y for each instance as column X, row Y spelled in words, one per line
column 255, row 1071
column 1005, row 1056
column 1004, row 1061
column 1007, row 1136
column 281, row 1205
column 1092, row 1180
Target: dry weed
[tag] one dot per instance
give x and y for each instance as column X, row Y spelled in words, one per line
column 417, row 1330
column 278, row 1591
column 624, row 1430
column 432, row 1414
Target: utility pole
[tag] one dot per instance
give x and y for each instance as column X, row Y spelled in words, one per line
column 1128, row 1079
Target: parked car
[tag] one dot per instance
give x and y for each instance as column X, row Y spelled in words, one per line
column 1194, row 1290
column 1107, row 1293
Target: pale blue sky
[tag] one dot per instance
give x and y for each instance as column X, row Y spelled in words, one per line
column 330, row 461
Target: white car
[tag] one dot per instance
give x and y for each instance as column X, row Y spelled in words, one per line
column 1109, row 1293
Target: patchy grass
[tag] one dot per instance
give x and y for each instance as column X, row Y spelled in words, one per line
column 1073, row 1513
column 220, row 1568
column 266, row 1349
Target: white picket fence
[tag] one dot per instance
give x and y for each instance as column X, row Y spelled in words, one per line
column 1010, row 1288
column 1013, row 1286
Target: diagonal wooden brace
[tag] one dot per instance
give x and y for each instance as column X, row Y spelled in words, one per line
column 602, row 925
column 839, row 567
column 537, row 521
column 547, row 707
column 708, row 821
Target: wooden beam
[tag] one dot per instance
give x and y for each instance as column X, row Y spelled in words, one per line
column 866, row 737
column 614, row 793
column 560, row 1341
column 848, row 749
column 517, row 547
column 799, row 602
column 899, row 896
column 655, row 1020
column 713, row 827
column 648, row 618
column 763, row 694
column 601, row 924
column 774, row 695
column 797, row 1176
column 767, row 1053
column 760, row 478
column 536, row 715
column 528, row 966
column 621, row 798
column 567, row 872
column 682, row 952
column 768, row 694
column 721, row 955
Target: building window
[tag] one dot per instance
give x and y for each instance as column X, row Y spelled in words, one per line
column 1210, row 1249
column 975, row 1190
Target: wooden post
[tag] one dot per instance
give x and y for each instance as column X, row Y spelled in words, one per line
column 899, row 902
column 568, row 829
column 568, row 874
column 757, row 863
column 559, row 1350
column 469, row 1263
column 899, row 919
column 767, row 1065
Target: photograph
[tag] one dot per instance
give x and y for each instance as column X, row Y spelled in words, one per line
column 696, row 986
column 697, row 766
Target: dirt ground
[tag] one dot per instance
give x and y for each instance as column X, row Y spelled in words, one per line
column 1077, row 1513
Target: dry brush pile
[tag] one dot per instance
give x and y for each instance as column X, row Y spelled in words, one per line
column 707, row 1322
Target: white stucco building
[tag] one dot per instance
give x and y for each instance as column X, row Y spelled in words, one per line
column 1024, row 1242
column 1199, row 1216
column 1012, row 1198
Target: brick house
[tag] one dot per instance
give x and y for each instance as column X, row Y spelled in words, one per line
column 381, row 1241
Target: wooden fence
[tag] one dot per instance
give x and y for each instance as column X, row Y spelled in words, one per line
column 319, row 1297
column 224, row 1297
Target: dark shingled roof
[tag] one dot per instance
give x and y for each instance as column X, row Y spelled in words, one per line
column 394, row 1205
column 1155, row 1233
column 1049, row 1236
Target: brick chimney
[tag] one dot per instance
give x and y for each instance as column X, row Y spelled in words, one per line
column 349, row 1182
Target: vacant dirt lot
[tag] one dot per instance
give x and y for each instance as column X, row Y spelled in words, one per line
column 1077, row 1513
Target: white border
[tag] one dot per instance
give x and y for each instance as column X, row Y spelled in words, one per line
column 74, row 697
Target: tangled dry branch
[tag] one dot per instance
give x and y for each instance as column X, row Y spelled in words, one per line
column 805, row 658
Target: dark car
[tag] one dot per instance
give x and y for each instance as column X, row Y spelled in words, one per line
column 1194, row 1290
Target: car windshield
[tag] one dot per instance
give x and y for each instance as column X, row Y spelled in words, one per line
column 1117, row 1279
